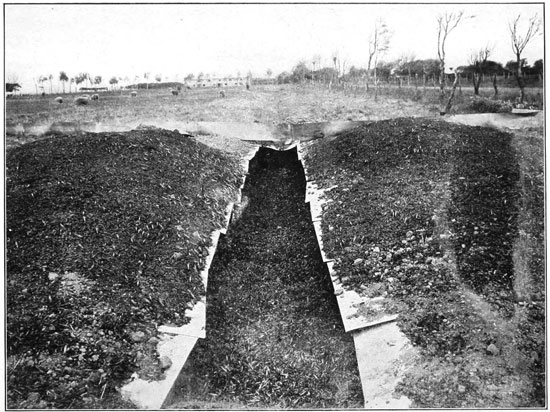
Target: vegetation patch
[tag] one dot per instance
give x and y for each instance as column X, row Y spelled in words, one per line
column 106, row 236
column 486, row 105
column 427, row 212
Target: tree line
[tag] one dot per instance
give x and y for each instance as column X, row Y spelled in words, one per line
column 410, row 69
column 42, row 81
column 415, row 71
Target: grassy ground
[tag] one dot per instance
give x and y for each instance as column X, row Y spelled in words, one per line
column 264, row 104
column 464, row 100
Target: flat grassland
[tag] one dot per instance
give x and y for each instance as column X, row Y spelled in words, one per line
column 266, row 104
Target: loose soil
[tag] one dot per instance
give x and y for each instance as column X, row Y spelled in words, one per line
column 402, row 224
column 274, row 333
column 106, row 236
column 428, row 212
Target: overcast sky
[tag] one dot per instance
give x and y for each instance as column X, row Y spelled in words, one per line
column 129, row 40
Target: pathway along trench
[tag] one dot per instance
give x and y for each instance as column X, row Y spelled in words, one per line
column 274, row 334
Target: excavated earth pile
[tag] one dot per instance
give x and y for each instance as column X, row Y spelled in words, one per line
column 274, row 334
column 441, row 225
column 424, row 215
column 106, row 237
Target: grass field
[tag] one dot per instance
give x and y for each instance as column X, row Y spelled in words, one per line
column 265, row 104
column 454, row 214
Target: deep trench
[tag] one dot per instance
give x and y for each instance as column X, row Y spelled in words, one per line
column 274, row 336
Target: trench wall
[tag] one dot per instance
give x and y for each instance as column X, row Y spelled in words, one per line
column 176, row 343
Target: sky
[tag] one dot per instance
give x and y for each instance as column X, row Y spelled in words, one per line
column 222, row 39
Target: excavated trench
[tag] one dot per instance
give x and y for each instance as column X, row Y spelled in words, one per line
column 274, row 334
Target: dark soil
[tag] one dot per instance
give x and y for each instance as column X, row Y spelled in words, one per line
column 106, row 235
column 427, row 211
column 483, row 215
column 274, row 334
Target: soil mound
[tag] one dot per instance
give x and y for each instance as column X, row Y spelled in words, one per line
column 106, row 235
column 425, row 213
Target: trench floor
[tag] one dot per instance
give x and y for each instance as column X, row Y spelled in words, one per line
column 274, row 334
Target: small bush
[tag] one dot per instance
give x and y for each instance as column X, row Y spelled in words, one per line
column 484, row 105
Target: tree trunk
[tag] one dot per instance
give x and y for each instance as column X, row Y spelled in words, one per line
column 495, row 85
column 476, row 79
column 442, row 82
column 520, row 79
column 449, row 104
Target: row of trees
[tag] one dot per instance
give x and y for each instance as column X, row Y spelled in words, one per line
column 408, row 67
column 413, row 71
column 84, row 79
column 64, row 79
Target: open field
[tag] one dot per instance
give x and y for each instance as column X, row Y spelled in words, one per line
column 266, row 104
column 444, row 221
column 30, row 115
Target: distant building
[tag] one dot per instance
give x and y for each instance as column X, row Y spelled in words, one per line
column 217, row 82
column 93, row 89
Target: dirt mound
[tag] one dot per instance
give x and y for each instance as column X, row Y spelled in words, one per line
column 123, row 218
column 424, row 213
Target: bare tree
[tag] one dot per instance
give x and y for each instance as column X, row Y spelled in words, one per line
column 449, row 103
column 519, row 43
column 477, row 61
column 379, row 43
column 445, row 25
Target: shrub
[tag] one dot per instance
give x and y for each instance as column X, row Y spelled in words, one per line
column 484, row 105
